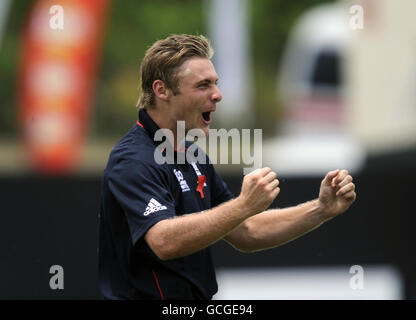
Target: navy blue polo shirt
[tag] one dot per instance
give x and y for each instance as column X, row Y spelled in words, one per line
column 137, row 192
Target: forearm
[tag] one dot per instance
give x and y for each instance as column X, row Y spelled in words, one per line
column 275, row 227
column 184, row 235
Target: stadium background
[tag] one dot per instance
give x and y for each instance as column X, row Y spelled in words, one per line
column 354, row 109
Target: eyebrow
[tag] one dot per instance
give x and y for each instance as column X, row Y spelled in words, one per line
column 207, row 81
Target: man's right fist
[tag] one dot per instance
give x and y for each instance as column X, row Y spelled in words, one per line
column 259, row 189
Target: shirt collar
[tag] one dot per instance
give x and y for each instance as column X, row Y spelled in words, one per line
column 147, row 123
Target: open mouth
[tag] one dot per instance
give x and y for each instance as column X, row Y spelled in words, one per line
column 206, row 117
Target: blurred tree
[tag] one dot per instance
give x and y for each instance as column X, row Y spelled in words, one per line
column 9, row 59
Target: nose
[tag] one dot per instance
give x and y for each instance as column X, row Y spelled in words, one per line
column 217, row 95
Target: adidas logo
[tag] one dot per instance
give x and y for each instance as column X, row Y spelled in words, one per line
column 153, row 206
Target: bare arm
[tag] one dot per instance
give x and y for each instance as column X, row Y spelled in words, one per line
column 183, row 235
column 190, row 233
column 276, row 227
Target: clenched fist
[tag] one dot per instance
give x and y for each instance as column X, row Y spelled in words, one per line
column 337, row 193
column 259, row 189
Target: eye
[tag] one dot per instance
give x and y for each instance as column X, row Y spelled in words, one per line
column 203, row 85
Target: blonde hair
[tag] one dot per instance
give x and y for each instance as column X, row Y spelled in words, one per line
column 163, row 59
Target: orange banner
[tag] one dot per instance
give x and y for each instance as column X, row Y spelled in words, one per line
column 59, row 60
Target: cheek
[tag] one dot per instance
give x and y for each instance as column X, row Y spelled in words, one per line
column 193, row 112
column 191, row 117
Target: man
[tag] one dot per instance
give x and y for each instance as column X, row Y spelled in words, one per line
column 157, row 221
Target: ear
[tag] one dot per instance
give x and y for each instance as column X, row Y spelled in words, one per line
column 160, row 90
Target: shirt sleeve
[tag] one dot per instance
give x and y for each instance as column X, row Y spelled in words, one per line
column 220, row 192
column 143, row 193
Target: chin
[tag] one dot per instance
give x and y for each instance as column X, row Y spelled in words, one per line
column 204, row 127
column 196, row 131
column 205, row 130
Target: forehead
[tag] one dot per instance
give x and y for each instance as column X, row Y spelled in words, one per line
column 197, row 69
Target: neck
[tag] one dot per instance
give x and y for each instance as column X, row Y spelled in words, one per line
column 165, row 122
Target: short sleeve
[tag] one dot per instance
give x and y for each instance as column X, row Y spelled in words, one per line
column 220, row 192
column 143, row 193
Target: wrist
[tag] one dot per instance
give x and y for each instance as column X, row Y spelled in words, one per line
column 320, row 209
column 242, row 207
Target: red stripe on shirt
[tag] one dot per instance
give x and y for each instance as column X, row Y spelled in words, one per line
column 158, row 286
